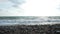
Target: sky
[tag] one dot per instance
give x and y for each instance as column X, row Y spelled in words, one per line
column 29, row 8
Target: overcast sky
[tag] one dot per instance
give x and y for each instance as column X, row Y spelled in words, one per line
column 29, row 7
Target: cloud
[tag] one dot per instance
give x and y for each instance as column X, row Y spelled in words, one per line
column 41, row 8
column 10, row 3
column 10, row 7
column 31, row 7
column 17, row 1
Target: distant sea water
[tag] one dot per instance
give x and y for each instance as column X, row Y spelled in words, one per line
column 29, row 20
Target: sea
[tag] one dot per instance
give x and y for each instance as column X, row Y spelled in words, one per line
column 29, row 20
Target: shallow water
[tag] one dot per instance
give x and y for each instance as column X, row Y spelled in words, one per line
column 25, row 22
